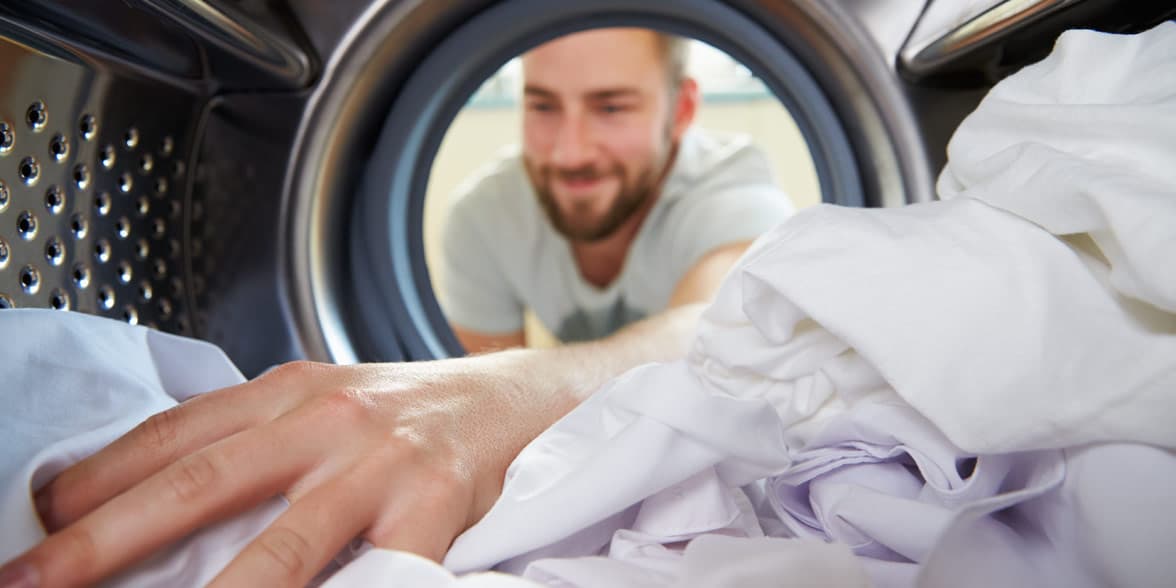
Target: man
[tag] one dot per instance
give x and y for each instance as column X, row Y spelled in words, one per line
column 407, row 455
column 616, row 208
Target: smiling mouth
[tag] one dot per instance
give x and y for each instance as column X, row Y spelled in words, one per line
column 580, row 183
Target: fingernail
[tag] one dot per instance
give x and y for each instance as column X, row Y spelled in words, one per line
column 22, row 575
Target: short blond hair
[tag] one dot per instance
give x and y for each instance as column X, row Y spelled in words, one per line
column 675, row 50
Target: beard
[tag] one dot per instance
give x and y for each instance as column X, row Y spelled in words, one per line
column 578, row 224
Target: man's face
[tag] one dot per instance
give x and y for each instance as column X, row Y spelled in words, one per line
column 599, row 126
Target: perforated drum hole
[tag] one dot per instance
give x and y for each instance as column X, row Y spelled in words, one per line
column 179, row 169
column 197, row 211
column 158, row 228
column 125, row 182
column 142, row 206
column 54, row 200
column 173, row 248
column 197, row 248
column 106, row 297
column 165, row 308
column 175, row 209
column 26, row 225
column 146, row 163
column 182, row 323
column 59, row 300
column 37, row 116
column 160, row 186
column 87, row 127
column 29, row 170
column 160, row 268
column 177, row 287
column 5, row 254
column 131, row 138
column 55, row 251
column 79, row 226
column 102, row 203
column 108, row 157
column 102, row 251
column 146, row 292
column 168, row 146
column 81, row 176
column 59, row 147
column 81, row 275
column 130, row 315
column 7, row 137
column 124, row 272
column 122, row 228
column 6, row 302
column 5, row 196
column 30, row 279
column 142, row 249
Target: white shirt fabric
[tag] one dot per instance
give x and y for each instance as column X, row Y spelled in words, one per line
column 970, row 392
column 501, row 255
column 72, row 383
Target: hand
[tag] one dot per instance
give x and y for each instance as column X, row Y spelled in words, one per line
column 405, row 455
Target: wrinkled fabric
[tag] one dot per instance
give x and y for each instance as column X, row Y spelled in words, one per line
column 72, row 383
column 910, row 374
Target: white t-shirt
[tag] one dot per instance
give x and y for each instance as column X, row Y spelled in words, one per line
column 501, row 254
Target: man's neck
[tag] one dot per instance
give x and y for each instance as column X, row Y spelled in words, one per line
column 601, row 262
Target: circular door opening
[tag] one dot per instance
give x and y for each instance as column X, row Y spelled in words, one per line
column 361, row 285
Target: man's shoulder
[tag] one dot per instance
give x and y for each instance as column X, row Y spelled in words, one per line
column 493, row 186
column 708, row 156
column 495, row 179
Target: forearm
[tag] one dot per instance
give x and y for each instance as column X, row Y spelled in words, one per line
column 560, row 378
column 536, row 387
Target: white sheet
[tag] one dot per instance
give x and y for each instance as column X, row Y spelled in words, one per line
column 70, row 384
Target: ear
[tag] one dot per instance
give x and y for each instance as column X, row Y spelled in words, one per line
column 686, row 107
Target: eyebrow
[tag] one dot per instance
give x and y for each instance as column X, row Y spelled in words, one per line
column 604, row 94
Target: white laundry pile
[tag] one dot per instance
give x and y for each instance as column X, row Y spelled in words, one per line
column 977, row 391
column 981, row 384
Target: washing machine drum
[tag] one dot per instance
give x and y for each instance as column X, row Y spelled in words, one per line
column 253, row 173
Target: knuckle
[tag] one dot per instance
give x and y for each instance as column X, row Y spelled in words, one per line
column 163, row 428
column 191, row 477
column 76, row 545
column 287, row 549
column 346, row 404
column 293, row 370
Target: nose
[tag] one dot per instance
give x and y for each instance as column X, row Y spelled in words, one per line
column 573, row 146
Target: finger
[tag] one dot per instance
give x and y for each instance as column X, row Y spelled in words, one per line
column 306, row 537
column 148, row 448
column 205, row 487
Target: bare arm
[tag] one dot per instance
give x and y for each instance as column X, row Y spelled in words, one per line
column 702, row 280
column 476, row 342
column 406, row 455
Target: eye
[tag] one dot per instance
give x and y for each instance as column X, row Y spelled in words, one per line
column 613, row 108
column 541, row 107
